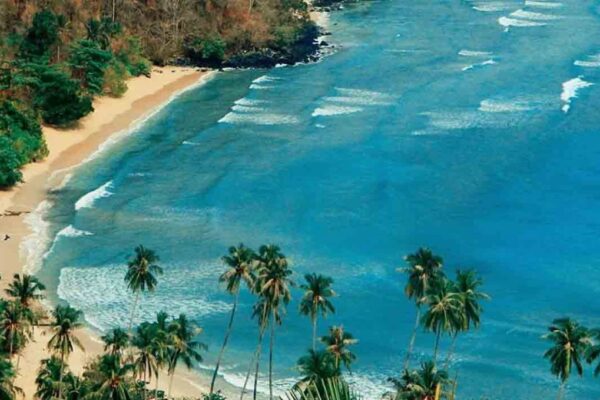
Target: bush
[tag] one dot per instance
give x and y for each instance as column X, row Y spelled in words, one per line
column 59, row 98
column 41, row 36
column 88, row 63
column 205, row 51
column 24, row 132
column 130, row 55
column 9, row 164
column 114, row 79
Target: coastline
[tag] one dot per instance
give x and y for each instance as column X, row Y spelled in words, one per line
column 69, row 148
column 111, row 119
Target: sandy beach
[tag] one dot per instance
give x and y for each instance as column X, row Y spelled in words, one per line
column 68, row 148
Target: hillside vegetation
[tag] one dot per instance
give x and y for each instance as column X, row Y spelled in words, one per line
column 56, row 55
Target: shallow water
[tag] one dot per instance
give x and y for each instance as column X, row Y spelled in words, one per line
column 466, row 126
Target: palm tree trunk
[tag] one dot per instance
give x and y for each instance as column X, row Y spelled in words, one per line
column 156, row 387
column 171, row 382
column 253, row 361
column 137, row 296
column 18, row 362
column 225, row 340
column 413, row 337
column 271, row 346
column 451, row 351
column 10, row 344
column 561, row 390
column 315, row 333
column 437, row 344
column 60, row 376
column 144, row 388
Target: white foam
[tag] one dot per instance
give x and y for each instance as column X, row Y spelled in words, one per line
column 474, row 53
column 543, row 4
column 591, row 62
column 493, row 6
column 519, row 23
column 107, row 302
column 570, row 89
column 33, row 246
column 357, row 100
column 481, row 64
column 259, row 119
column 72, row 232
column 240, row 108
column 330, row 110
column 249, row 102
column 265, row 78
column 190, row 143
column 455, row 120
column 88, row 200
column 497, row 106
column 256, row 86
column 533, row 15
column 365, row 94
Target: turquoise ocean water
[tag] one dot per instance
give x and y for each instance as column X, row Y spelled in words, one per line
column 471, row 127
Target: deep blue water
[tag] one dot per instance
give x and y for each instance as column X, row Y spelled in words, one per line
column 436, row 123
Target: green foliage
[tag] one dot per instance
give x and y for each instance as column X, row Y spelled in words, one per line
column 114, row 79
column 102, row 30
column 131, row 56
column 208, row 50
column 9, row 164
column 420, row 384
column 88, row 64
column 41, row 36
column 326, row 389
column 21, row 141
column 59, row 97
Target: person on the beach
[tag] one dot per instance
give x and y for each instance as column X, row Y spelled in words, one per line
column 6, row 237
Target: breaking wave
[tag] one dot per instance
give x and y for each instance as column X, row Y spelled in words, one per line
column 88, row 200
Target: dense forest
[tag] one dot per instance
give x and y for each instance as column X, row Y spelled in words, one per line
column 57, row 55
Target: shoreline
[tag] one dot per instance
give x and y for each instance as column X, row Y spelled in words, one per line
column 111, row 120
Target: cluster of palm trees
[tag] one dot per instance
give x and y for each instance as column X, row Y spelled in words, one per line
column 130, row 358
column 572, row 345
column 266, row 273
column 134, row 357
column 443, row 307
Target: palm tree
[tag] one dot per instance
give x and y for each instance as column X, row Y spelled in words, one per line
column 274, row 277
column 467, row 286
column 116, row 341
column 16, row 326
column 241, row 264
column 593, row 352
column 8, row 390
column 337, row 343
column 47, row 380
column 260, row 310
column 570, row 343
column 184, row 348
column 66, row 321
column 424, row 268
column 141, row 275
column 25, row 289
column 326, row 389
column 315, row 301
column 144, row 360
column 423, row 384
column 444, row 312
column 113, row 380
column 317, row 365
